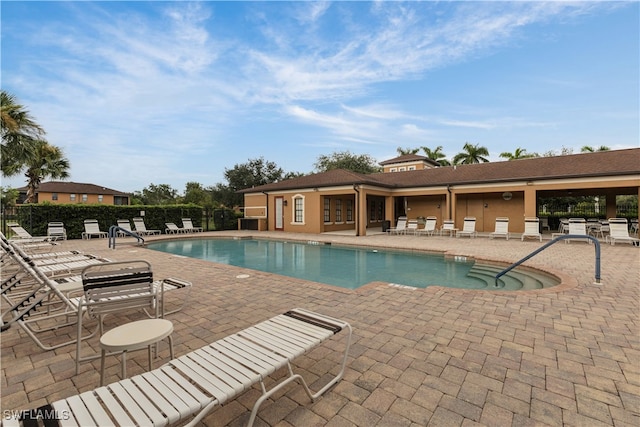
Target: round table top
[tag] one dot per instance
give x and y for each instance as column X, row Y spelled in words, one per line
column 135, row 335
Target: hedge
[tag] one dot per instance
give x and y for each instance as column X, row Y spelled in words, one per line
column 35, row 217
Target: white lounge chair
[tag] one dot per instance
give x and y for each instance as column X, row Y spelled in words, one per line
column 194, row 384
column 24, row 235
column 412, row 227
column 141, row 228
column 578, row 227
column 56, row 231
column 429, row 226
column 531, row 229
column 501, row 229
column 187, row 225
column 469, row 227
column 619, row 232
column 401, row 226
column 36, row 299
column 172, row 228
column 125, row 225
column 448, row 227
column 91, row 229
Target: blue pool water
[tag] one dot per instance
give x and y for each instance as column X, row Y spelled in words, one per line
column 347, row 267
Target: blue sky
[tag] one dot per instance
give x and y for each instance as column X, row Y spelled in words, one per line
column 137, row 93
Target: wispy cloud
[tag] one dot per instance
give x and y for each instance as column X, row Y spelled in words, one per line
column 184, row 79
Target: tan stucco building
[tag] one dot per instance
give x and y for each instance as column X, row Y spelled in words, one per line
column 64, row 192
column 344, row 200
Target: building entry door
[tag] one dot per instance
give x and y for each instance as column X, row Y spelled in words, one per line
column 279, row 213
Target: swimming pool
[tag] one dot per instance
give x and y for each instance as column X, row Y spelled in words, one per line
column 352, row 267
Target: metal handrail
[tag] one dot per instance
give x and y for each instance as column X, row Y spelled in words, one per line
column 113, row 233
column 545, row 246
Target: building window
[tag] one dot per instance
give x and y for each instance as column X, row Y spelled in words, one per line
column 349, row 210
column 372, row 211
column 412, row 168
column 338, row 210
column 84, row 197
column 100, row 198
column 54, row 196
column 327, row 209
column 72, row 197
column 393, row 170
column 298, row 209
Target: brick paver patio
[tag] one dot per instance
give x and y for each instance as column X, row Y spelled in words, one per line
column 439, row 357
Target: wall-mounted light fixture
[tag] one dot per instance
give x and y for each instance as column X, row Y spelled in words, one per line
column 507, row 195
column 486, row 205
column 284, row 203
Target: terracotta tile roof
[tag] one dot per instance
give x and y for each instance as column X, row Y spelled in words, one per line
column 66, row 187
column 601, row 163
column 335, row 177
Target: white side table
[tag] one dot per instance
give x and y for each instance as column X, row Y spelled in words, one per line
column 134, row 336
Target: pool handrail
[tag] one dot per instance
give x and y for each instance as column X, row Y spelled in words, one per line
column 546, row 245
column 113, row 233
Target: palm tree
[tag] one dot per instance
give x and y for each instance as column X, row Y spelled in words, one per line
column 471, row 154
column 404, row 151
column 520, row 153
column 19, row 134
column 46, row 161
column 436, row 155
column 589, row 149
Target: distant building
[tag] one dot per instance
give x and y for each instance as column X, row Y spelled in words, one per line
column 408, row 162
column 75, row 192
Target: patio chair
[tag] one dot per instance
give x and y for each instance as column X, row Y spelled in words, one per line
column 172, row 228
column 24, row 235
column 578, row 227
column 412, row 227
column 125, row 226
column 619, row 232
column 401, row 226
column 115, row 287
column 501, row 228
column 186, row 389
column 141, row 228
column 429, row 226
column 91, row 229
column 469, row 227
column 448, row 227
column 531, row 229
column 56, row 231
column 187, row 224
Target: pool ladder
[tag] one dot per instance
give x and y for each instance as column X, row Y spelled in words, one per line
column 545, row 246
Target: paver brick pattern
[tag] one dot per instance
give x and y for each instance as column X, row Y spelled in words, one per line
column 569, row 355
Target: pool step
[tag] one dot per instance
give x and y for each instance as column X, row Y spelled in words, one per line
column 513, row 280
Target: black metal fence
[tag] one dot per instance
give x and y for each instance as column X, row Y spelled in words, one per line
column 581, row 207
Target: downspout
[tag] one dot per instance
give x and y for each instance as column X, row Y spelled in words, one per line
column 267, row 209
column 355, row 188
column 449, row 202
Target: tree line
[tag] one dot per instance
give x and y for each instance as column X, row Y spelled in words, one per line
column 25, row 149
